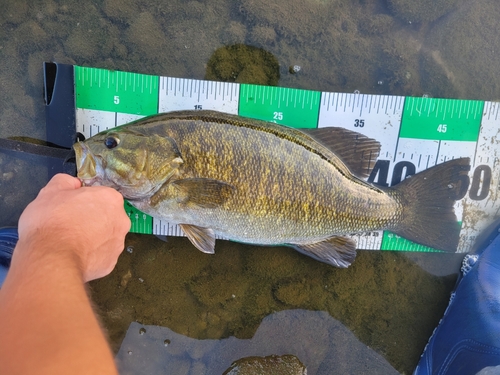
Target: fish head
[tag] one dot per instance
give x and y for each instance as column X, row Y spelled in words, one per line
column 134, row 164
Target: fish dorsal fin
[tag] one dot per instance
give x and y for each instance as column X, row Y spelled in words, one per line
column 203, row 192
column 338, row 251
column 202, row 238
column 358, row 152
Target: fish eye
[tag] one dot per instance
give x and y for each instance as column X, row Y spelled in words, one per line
column 111, row 142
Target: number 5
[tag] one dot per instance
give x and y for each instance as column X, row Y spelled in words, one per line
column 116, row 99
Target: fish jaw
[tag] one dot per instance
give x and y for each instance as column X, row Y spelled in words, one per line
column 87, row 165
column 95, row 169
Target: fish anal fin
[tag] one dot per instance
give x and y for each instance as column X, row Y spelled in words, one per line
column 358, row 152
column 202, row 238
column 338, row 251
column 203, row 192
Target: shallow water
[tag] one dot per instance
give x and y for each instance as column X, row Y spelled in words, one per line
column 390, row 301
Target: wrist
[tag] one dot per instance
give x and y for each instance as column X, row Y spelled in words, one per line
column 42, row 254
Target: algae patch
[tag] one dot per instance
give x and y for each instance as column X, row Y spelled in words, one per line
column 243, row 64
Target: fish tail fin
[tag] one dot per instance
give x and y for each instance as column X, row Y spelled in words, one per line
column 428, row 199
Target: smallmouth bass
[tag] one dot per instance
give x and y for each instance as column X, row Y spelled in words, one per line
column 262, row 183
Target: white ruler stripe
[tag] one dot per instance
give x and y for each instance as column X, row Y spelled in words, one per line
column 481, row 202
column 164, row 228
column 89, row 122
column 181, row 94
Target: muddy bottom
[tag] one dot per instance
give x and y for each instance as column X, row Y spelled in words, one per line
column 385, row 299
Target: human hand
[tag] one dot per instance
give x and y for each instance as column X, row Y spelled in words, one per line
column 67, row 220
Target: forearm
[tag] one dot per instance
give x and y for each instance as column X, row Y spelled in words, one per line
column 46, row 320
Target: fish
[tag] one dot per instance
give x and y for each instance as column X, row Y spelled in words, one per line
column 251, row 181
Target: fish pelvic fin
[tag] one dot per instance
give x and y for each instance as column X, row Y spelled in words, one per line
column 337, row 251
column 428, row 200
column 202, row 238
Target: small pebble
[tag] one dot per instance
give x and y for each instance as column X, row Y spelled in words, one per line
column 293, row 69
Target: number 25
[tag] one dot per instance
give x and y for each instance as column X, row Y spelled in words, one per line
column 278, row 115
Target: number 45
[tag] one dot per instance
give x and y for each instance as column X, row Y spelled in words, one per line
column 442, row 128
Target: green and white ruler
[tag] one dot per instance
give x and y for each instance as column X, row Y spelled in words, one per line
column 415, row 133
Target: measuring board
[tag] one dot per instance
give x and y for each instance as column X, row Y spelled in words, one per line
column 415, row 133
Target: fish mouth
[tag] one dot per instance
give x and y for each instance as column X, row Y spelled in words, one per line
column 85, row 165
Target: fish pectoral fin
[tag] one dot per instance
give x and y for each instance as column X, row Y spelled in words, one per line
column 202, row 238
column 204, row 192
column 337, row 251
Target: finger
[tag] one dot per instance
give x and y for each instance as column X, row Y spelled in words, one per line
column 114, row 196
column 63, row 181
column 125, row 223
column 115, row 202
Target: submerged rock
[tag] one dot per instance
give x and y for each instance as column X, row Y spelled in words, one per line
column 271, row 365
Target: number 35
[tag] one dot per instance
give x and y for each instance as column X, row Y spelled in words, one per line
column 359, row 123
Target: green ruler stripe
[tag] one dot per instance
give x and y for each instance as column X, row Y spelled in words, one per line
column 292, row 107
column 116, row 91
column 141, row 222
column 441, row 119
column 391, row 241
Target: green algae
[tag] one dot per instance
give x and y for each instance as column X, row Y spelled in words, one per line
column 243, row 64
